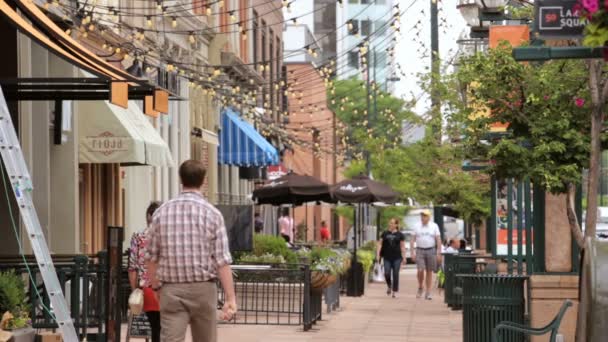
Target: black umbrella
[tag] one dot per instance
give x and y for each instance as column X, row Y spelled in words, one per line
column 361, row 189
column 292, row 189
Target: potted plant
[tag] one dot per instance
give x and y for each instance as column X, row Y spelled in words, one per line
column 14, row 309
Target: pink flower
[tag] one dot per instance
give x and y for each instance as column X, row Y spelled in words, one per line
column 591, row 6
column 579, row 102
column 546, row 97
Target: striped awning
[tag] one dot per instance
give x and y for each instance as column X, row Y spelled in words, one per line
column 242, row 145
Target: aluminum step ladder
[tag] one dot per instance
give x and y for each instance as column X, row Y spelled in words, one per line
column 21, row 183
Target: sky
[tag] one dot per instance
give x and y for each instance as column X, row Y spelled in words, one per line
column 408, row 53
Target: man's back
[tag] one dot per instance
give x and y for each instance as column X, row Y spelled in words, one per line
column 189, row 240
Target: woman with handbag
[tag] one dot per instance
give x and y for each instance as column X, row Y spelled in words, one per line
column 138, row 274
column 391, row 247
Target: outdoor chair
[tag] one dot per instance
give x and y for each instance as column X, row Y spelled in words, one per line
column 552, row 327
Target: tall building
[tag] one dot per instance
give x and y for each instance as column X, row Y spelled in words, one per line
column 366, row 20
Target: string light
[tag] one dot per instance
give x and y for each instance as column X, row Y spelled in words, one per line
column 232, row 16
column 149, row 21
column 174, row 22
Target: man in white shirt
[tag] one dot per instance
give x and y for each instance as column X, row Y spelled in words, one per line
column 427, row 253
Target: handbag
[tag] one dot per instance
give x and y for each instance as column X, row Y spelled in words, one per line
column 378, row 273
column 136, row 301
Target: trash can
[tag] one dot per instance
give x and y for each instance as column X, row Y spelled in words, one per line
column 489, row 299
column 457, row 264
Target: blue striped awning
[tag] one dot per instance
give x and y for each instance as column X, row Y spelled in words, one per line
column 242, row 145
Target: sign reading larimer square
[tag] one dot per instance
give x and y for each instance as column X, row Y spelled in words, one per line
column 558, row 19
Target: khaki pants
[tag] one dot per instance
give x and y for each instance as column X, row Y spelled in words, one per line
column 191, row 303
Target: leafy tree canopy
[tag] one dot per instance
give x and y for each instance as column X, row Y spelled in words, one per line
column 545, row 107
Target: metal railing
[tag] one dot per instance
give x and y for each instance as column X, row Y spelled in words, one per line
column 83, row 280
column 275, row 295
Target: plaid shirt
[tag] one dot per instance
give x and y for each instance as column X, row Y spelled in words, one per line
column 188, row 239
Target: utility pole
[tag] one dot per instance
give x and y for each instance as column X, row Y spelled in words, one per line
column 436, row 119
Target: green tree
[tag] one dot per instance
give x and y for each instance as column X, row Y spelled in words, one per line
column 424, row 171
column 546, row 107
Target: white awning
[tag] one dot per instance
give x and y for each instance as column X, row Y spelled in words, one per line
column 112, row 134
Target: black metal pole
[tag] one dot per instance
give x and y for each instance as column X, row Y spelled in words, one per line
column 435, row 103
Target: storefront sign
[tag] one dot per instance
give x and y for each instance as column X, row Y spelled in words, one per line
column 106, row 143
column 275, row 172
column 558, row 19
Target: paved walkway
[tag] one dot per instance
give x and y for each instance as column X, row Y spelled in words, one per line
column 372, row 318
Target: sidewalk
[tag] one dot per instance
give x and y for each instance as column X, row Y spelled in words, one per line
column 372, row 318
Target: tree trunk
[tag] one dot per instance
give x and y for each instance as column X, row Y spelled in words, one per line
column 575, row 227
column 598, row 96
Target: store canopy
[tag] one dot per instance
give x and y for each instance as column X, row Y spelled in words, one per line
column 242, row 145
column 112, row 134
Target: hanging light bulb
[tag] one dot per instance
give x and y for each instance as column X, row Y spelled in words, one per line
column 174, row 22
column 148, row 69
column 349, row 25
column 159, row 5
column 208, row 11
column 91, row 27
column 341, row 3
column 115, row 16
column 220, row 4
column 117, row 50
column 232, row 16
column 217, row 72
column 295, row 21
column 85, row 34
column 69, row 31
column 244, row 35
column 261, row 67
column 191, row 38
column 46, row 5
column 149, row 21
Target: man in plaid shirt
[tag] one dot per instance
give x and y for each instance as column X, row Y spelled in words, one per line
column 187, row 252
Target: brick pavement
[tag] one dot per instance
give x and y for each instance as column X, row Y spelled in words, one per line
column 372, row 318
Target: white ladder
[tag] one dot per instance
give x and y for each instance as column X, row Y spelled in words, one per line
column 21, row 183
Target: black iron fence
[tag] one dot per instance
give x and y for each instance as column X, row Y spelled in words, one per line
column 275, row 295
column 83, row 281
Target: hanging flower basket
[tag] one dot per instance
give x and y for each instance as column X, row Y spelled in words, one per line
column 596, row 31
column 318, row 279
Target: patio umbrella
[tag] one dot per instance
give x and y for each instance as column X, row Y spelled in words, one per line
column 293, row 189
column 361, row 189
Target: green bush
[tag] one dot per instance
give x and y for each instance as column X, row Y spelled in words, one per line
column 13, row 299
column 263, row 259
column 370, row 246
column 268, row 244
column 366, row 258
column 12, row 292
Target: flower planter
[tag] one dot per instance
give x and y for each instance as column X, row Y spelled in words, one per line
column 23, row 335
column 318, row 279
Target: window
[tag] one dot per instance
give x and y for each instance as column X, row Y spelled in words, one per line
column 255, row 37
column 366, row 27
column 272, row 72
column 380, row 26
column 355, row 29
column 279, row 74
column 353, row 1
column 353, row 59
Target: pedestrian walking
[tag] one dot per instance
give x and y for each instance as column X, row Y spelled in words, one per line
column 187, row 253
column 138, row 273
column 427, row 254
column 391, row 247
column 324, row 232
column 286, row 226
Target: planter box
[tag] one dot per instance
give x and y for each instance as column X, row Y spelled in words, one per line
column 23, row 335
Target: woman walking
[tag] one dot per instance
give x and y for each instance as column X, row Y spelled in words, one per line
column 138, row 274
column 391, row 247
